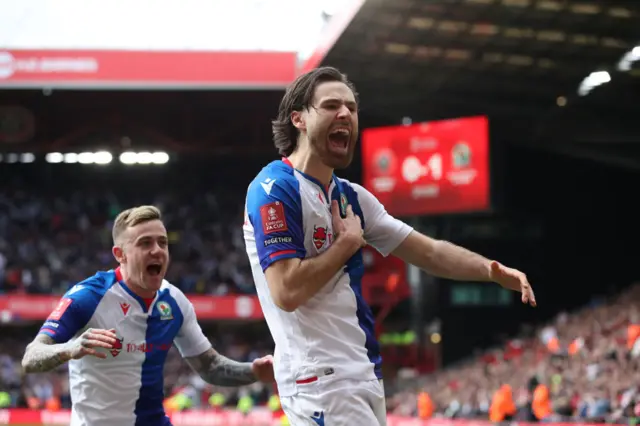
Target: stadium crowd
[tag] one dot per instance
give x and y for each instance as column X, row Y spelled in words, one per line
column 583, row 366
column 49, row 242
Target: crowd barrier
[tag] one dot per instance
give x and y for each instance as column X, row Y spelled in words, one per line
column 258, row 417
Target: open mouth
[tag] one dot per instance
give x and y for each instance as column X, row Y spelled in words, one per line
column 340, row 138
column 154, row 269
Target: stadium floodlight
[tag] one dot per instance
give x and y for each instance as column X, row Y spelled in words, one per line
column 160, row 157
column 54, row 157
column 145, row 158
column 595, row 79
column 12, row 158
column 128, row 158
column 85, row 158
column 71, row 158
column 27, row 157
column 629, row 59
column 102, row 157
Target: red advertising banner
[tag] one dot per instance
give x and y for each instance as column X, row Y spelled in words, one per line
column 429, row 168
column 32, row 307
column 134, row 69
column 258, row 417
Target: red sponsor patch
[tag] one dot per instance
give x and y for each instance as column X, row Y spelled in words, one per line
column 319, row 236
column 60, row 309
column 273, row 219
column 117, row 347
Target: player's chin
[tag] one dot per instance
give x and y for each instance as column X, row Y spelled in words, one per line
column 339, row 160
column 340, row 153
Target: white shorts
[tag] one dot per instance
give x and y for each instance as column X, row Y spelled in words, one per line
column 337, row 403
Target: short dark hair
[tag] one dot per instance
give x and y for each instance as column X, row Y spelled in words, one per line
column 297, row 97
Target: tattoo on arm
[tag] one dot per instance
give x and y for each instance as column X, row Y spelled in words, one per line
column 220, row 370
column 43, row 354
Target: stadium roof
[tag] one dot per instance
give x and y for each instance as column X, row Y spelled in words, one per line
column 506, row 58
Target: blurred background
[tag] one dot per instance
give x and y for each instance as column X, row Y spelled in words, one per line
column 507, row 126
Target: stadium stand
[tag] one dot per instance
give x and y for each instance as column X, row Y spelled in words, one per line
column 581, row 367
column 50, row 241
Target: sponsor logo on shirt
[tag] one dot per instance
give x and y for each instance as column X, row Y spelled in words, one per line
column 51, row 324
column 165, row 310
column 267, row 185
column 277, row 240
column 75, row 289
column 133, row 347
column 147, row 347
column 125, row 307
column 318, row 417
column 320, row 236
column 117, row 347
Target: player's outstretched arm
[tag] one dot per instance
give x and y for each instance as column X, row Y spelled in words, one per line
column 219, row 370
column 44, row 354
column 447, row 260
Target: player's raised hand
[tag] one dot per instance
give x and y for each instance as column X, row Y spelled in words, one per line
column 513, row 279
column 263, row 369
column 90, row 341
column 348, row 228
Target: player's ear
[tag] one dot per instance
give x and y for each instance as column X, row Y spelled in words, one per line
column 118, row 253
column 297, row 119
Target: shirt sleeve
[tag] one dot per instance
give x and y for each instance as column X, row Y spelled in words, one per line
column 190, row 340
column 71, row 314
column 275, row 213
column 381, row 230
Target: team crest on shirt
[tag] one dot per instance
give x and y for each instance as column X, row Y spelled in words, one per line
column 165, row 311
column 343, row 204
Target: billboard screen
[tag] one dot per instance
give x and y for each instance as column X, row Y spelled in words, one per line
column 437, row 167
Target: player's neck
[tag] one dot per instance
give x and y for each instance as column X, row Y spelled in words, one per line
column 311, row 165
column 136, row 288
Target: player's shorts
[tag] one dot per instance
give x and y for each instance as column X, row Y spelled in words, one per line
column 337, row 403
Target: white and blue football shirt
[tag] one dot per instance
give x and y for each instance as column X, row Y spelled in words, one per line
column 331, row 336
column 126, row 389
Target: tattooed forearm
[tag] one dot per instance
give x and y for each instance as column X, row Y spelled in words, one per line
column 222, row 371
column 44, row 355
